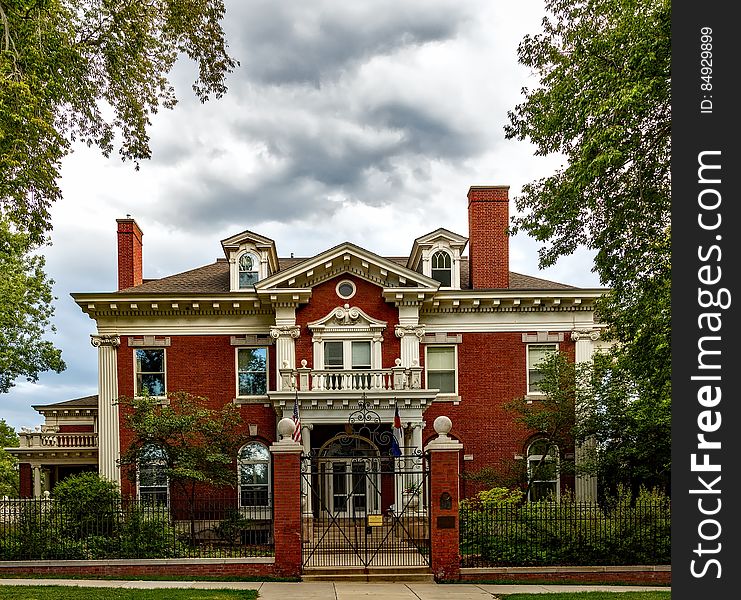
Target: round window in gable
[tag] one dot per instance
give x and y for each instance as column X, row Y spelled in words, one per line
column 346, row 289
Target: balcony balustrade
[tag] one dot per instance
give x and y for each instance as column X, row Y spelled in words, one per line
column 45, row 439
column 365, row 380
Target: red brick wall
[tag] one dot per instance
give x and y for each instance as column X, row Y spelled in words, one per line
column 75, row 428
column 593, row 575
column 26, row 480
column 203, row 366
column 158, row 568
column 491, row 372
column 129, row 253
column 287, row 513
column 445, row 554
column 488, row 244
column 367, row 297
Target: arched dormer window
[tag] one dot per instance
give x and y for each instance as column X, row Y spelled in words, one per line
column 254, row 475
column 442, row 268
column 248, row 270
column 543, row 470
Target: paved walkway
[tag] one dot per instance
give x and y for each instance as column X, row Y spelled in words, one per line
column 345, row 591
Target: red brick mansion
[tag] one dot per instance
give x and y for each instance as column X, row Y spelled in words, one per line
column 447, row 330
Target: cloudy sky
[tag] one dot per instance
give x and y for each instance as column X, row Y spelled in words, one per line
column 362, row 121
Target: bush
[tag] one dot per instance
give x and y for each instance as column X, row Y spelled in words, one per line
column 89, row 505
column 566, row 532
column 148, row 534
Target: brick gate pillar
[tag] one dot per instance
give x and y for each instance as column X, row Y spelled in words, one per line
column 287, row 501
column 444, row 455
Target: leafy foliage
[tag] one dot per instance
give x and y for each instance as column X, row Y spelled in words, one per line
column 9, row 483
column 626, row 531
column 196, row 445
column 89, row 71
column 25, row 310
column 88, row 504
column 603, row 103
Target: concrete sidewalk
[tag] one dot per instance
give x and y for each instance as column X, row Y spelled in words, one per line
column 344, row 591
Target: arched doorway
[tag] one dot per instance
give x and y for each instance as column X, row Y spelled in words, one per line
column 349, row 471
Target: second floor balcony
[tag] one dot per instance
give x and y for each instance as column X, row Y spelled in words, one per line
column 306, row 379
column 41, row 440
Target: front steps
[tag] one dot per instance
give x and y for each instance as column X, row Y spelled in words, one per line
column 370, row 574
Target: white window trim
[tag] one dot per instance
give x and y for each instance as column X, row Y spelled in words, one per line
column 164, row 365
column 267, row 373
column 444, row 395
column 354, row 289
column 263, row 270
column 534, row 395
column 455, row 264
column 536, row 458
column 239, row 479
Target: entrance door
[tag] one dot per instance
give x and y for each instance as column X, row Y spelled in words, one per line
column 352, row 486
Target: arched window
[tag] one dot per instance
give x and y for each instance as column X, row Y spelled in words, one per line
column 543, row 471
column 152, row 476
column 254, row 475
column 442, row 269
column 248, row 270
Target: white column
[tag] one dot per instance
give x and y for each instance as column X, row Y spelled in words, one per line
column 285, row 348
column 410, row 336
column 36, row 472
column 586, row 485
column 305, row 484
column 109, row 447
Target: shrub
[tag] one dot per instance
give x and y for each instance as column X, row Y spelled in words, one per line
column 88, row 504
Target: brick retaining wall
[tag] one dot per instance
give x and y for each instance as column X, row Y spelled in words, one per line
column 628, row 575
column 180, row 567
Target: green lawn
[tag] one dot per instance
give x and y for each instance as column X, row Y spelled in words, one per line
column 56, row 592
column 593, row 596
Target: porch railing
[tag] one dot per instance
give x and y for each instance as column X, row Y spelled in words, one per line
column 333, row 380
column 47, row 439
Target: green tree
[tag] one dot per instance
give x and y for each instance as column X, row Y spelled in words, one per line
column 197, row 445
column 90, row 71
column 603, row 103
column 25, row 311
column 9, row 484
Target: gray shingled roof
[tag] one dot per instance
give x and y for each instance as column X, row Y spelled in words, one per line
column 214, row 279
column 84, row 402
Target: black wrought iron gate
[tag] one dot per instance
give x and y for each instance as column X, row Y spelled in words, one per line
column 365, row 508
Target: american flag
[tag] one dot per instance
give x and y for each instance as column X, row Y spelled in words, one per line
column 297, row 420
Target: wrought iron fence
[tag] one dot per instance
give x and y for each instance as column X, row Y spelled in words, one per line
column 130, row 528
column 565, row 533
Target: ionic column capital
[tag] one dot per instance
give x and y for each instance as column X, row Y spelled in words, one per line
column 110, row 341
column 405, row 330
column 585, row 334
column 278, row 331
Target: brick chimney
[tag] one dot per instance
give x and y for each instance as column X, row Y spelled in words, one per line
column 129, row 253
column 488, row 244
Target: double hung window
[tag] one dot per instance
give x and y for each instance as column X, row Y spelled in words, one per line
column 442, row 269
column 441, row 369
column 248, row 270
column 537, row 353
column 252, row 371
column 150, row 371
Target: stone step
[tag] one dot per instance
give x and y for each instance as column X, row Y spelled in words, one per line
column 371, row 574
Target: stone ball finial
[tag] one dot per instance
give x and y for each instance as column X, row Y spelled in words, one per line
column 442, row 426
column 304, row 362
column 397, row 362
column 286, row 427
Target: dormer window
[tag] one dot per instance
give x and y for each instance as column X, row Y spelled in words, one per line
column 248, row 270
column 442, row 268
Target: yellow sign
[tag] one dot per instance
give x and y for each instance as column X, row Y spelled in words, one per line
column 375, row 520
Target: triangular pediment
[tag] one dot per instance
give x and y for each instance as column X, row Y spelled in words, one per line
column 251, row 240
column 347, row 258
